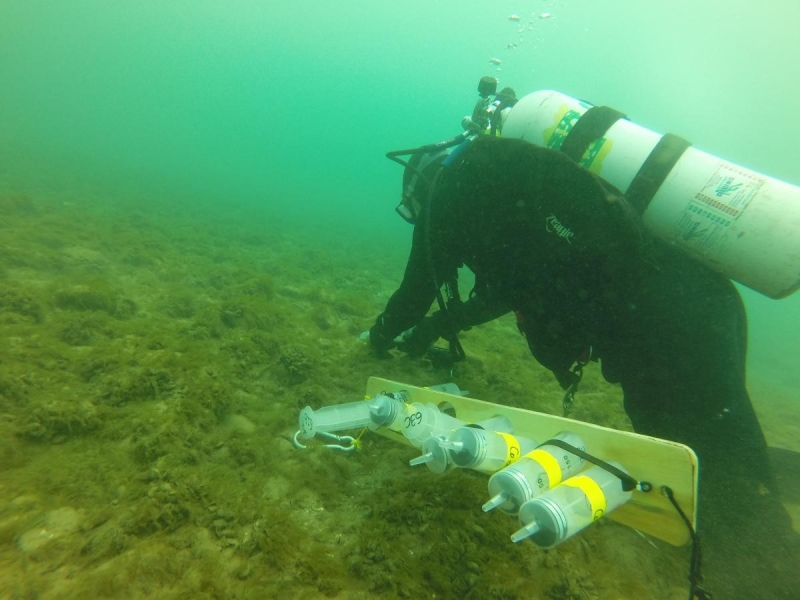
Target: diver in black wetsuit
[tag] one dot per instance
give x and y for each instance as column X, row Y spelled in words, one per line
column 549, row 241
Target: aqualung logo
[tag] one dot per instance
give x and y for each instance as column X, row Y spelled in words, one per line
column 553, row 225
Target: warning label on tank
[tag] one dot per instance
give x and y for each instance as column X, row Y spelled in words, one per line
column 721, row 200
column 729, row 190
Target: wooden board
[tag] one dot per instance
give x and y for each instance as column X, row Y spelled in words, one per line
column 660, row 462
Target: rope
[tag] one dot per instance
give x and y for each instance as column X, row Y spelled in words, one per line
column 695, row 577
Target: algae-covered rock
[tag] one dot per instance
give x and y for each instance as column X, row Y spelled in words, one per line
column 323, row 316
column 85, row 330
column 354, row 303
column 85, row 297
column 21, row 303
column 296, row 363
column 250, row 312
column 164, row 507
column 19, row 205
column 12, row 389
column 95, row 296
column 53, row 419
column 136, row 384
column 56, row 524
column 180, row 305
column 261, row 285
column 207, row 324
column 85, row 260
column 232, row 314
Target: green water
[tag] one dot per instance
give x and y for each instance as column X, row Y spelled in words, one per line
column 175, row 155
column 267, row 102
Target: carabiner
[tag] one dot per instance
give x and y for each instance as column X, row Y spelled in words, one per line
column 342, row 443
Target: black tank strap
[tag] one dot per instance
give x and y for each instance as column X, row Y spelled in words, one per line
column 593, row 124
column 654, row 171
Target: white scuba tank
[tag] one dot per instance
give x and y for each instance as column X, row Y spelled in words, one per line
column 739, row 222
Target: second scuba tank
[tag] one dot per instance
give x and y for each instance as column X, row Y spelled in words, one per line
column 739, row 222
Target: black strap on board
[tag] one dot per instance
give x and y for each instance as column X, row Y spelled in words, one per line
column 628, row 483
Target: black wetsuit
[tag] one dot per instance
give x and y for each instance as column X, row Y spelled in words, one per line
column 546, row 240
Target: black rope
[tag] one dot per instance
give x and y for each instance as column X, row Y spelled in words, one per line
column 695, row 577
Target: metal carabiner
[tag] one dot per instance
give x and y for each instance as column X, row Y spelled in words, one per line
column 342, row 443
column 568, row 401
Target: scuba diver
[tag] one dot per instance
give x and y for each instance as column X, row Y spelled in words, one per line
column 563, row 250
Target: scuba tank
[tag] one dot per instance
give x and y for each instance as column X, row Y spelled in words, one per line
column 741, row 223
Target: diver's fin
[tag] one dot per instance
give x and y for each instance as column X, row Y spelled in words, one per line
column 786, row 468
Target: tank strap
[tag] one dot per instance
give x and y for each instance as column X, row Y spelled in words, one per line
column 592, row 125
column 654, row 171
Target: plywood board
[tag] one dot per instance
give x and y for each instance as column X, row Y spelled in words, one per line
column 659, row 462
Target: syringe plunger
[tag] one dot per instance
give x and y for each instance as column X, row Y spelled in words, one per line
column 386, row 411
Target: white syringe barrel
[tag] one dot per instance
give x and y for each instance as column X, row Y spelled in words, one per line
column 337, row 417
column 437, row 457
column 561, row 512
column 486, row 451
column 537, row 471
column 421, row 421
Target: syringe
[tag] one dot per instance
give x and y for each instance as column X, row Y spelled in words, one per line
column 537, row 471
column 564, row 510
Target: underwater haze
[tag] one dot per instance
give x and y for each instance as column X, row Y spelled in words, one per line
column 293, row 105
column 197, row 222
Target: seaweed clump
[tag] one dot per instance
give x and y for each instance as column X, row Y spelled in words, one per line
column 19, row 205
column 135, row 385
column 21, row 304
column 85, row 330
column 297, row 365
column 53, row 420
column 95, row 296
column 164, row 507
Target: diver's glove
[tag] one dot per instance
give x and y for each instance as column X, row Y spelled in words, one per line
column 379, row 341
column 418, row 340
